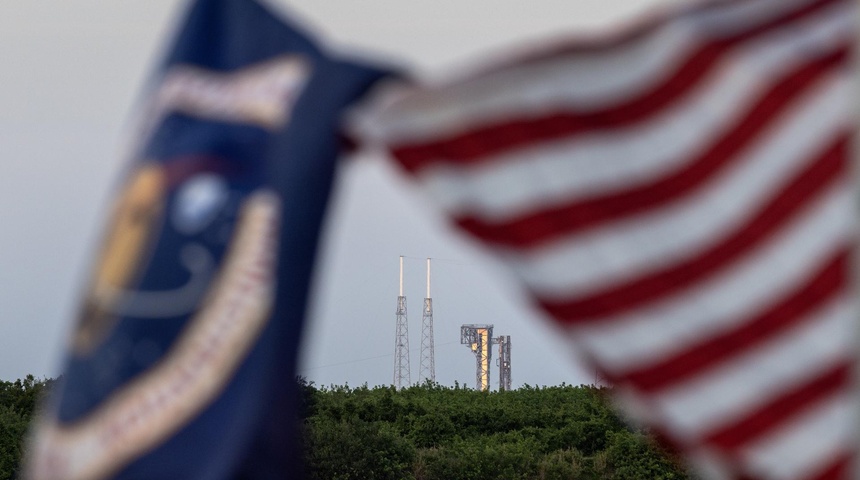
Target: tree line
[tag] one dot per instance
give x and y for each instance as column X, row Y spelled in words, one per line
column 433, row 432
column 18, row 401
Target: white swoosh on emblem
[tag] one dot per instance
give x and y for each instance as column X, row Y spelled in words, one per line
column 165, row 303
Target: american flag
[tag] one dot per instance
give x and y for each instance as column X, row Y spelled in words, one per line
column 677, row 198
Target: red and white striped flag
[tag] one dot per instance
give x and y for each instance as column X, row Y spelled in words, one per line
column 678, row 200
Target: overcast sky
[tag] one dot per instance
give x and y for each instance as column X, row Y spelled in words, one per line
column 70, row 73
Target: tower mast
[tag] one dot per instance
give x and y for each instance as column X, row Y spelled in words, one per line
column 401, row 339
column 428, row 360
column 504, row 362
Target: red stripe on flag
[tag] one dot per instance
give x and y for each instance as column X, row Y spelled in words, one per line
column 791, row 310
column 789, row 404
column 483, row 141
column 786, row 203
column 545, row 225
column 838, row 469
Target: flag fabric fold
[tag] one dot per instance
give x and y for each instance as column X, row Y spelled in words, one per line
column 678, row 200
column 183, row 360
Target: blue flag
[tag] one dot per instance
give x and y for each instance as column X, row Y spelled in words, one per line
column 183, row 360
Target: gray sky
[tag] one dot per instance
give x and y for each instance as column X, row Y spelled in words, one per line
column 71, row 72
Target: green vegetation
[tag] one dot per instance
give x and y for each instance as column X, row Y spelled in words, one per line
column 18, row 400
column 432, row 432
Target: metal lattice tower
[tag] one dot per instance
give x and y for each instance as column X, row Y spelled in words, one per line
column 480, row 340
column 504, row 362
column 428, row 359
column 401, row 340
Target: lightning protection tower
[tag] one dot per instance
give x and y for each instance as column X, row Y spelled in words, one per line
column 401, row 340
column 428, row 360
column 504, row 362
column 480, row 340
